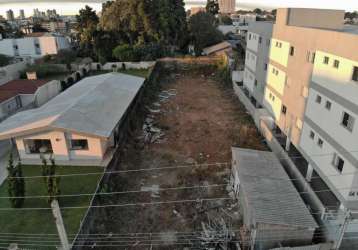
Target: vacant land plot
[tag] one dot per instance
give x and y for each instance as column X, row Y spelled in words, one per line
column 37, row 227
column 188, row 133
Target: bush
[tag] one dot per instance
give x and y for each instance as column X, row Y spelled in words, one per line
column 44, row 70
column 126, row 53
column 5, row 60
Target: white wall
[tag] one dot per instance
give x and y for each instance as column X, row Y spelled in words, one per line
column 6, row 47
column 279, row 54
column 26, row 47
column 129, row 65
column 11, row 72
column 47, row 92
column 251, row 60
column 249, row 80
column 252, row 41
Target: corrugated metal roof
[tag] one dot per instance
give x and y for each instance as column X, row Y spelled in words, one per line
column 216, row 48
column 93, row 106
column 271, row 196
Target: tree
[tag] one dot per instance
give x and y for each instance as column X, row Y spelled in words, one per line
column 38, row 28
column 257, row 11
column 126, row 53
column 87, row 21
column 212, row 7
column 52, row 182
column 226, row 20
column 203, row 31
column 16, row 184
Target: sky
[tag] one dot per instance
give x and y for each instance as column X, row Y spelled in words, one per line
column 71, row 7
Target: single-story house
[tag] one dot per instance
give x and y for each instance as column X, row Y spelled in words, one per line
column 218, row 49
column 273, row 212
column 20, row 94
column 77, row 127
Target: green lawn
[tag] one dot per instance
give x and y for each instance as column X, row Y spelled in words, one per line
column 41, row 221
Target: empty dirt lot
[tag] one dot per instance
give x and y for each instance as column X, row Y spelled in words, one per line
column 188, row 132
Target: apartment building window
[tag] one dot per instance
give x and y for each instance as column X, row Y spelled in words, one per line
column 328, row 105
column 326, row 60
column 255, row 83
column 292, row 51
column 81, row 144
column 284, row 109
column 320, row 142
column 318, row 99
column 16, row 47
column 275, row 71
column 338, row 162
column 312, row 134
column 250, row 36
column 347, row 121
column 278, row 44
column 355, row 74
column 268, row 42
column 336, row 64
column 260, row 39
column 265, row 66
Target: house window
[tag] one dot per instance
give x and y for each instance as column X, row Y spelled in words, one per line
column 320, row 142
column 328, row 105
column 336, row 64
column 312, row 135
column 338, row 163
column 81, row 144
column 318, row 99
column 292, row 51
column 38, row 146
column 326, row 60
column 284, row 109
column 347, row 121
column 355, row 74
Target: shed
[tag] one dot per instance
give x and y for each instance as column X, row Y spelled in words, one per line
column 273, row 211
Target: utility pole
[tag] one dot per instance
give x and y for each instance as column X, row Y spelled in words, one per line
column 347, row 218
column 59, row 224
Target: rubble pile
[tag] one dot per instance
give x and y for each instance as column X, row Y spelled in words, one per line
column 151, row 133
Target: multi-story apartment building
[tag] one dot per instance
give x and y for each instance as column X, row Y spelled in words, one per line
column 311, row 93
column 227, row 6
column 257, row 57
column 10, row 15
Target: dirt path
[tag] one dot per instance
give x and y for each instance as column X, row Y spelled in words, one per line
column 199, row 121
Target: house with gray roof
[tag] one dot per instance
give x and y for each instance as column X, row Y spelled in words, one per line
column 80, row 126
column 273, row 212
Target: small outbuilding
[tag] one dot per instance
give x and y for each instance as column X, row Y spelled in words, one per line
column 273, row 212
column 218, row 49
column 80, row 126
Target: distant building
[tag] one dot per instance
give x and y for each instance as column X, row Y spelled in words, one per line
column 80, row 126
column 21, row 14
column 227, row 6
column 56, row 26
column 34, row 45
column 10, row 15
column 272, row 210
column 218, row 49
column 196, row 10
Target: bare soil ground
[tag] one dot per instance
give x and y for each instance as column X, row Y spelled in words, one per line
column 200, row 121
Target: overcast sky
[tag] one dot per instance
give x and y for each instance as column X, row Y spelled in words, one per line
column 72, row 6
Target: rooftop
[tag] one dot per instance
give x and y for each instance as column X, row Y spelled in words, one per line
column 217, row 47
column 92, row 106
column 19, row 87
column 269, row 192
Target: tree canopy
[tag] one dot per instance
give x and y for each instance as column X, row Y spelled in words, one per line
column 87, row 21
column 212, row 7
column 203, row 31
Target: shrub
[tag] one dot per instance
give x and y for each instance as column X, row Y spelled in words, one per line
column 5, row 60
column 44, row 70
column 126, row 53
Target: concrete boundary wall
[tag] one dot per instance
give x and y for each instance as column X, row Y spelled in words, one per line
column 11, row 72
column 119, row 65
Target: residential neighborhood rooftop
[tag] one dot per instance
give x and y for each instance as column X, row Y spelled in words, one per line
column 19, row 87
column 92, row 106
column 216, row 47
column 269, row 191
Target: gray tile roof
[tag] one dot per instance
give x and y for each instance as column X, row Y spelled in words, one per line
column 270, row 194
column 93, row 106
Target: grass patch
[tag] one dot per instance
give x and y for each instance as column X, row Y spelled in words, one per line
column 42, row 221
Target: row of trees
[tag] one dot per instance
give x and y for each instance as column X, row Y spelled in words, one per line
column 142, row 29
column 16, row 182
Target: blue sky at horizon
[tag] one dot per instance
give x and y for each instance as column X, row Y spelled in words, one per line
column 70, row 7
